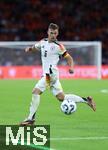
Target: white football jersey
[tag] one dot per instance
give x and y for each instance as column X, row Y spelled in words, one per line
column 50, row 52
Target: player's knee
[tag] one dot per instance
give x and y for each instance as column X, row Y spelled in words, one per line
column 36, row 91
column 60, row 96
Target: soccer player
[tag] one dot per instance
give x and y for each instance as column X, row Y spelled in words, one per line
column 51, row 50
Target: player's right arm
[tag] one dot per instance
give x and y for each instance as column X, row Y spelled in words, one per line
column 35, row 47
column 28, row 49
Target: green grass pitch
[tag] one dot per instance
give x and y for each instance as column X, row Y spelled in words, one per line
column 83, row 130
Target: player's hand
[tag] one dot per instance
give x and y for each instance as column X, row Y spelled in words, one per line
column 71, row 71
column 28, row 49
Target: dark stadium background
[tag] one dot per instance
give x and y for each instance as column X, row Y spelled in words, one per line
column 79, row 20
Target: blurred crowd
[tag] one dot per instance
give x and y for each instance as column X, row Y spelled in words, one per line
column 79, row 20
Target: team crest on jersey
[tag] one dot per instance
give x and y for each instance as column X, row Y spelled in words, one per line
column 52, row 48
column 43, row 46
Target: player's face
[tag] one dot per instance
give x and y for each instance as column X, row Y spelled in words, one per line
column 52, row 34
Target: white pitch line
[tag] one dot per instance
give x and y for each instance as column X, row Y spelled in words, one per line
column 104, row 91
column 78, row 138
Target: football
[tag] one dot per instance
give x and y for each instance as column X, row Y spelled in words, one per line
column 68, row 107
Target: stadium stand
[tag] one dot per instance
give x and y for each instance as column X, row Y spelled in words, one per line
column 79, row 20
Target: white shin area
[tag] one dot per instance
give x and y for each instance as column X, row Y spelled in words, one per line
column 74, row 98
column 34, row 105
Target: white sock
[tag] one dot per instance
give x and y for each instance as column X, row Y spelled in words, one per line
column 75, row 98
column 34, row 105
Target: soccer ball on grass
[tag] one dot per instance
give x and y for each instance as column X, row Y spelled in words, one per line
column 68, row 106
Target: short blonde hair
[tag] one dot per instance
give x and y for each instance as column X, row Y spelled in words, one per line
column 53, row 26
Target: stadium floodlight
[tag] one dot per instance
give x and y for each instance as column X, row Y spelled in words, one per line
column 85, row 53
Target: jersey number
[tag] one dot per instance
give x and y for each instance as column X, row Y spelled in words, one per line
column 45, row 54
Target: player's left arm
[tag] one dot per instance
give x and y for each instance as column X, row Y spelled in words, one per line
column 70, row 61
column 68, row 57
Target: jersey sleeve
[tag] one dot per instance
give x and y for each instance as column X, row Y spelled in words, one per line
column 62, row 49
column 38, row 45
